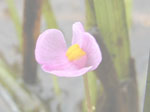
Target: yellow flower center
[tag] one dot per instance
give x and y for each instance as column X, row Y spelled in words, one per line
column 75, row 52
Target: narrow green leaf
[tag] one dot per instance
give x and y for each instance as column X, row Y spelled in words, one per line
column 10, row 102
column 128, row 7
column 90, row 15
column 111, row 20
column 16, row 20
column 49, row 15
column 18, row 92
column 147, row 94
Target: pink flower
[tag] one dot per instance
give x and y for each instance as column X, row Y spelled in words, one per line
column 52, row 54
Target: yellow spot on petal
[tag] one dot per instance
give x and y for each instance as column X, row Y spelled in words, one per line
column 75, row 52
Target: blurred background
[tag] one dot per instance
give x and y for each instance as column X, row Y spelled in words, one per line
column 24, row 87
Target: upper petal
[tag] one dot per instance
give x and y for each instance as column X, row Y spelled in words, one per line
column 50, row 47
column 78, row 29
column 91, row 47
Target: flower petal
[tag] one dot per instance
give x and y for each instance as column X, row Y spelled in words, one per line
column 80, row 63
column 50, row 47
column 61, row 64
column 69, row 73
column 78, row 29
column 90, row 46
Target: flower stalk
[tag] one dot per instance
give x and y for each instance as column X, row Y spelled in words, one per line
column 56, row 85
column 87, row 94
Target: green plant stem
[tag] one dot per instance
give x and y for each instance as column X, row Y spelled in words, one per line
column 92, row 79
column 56, row 85
column 87, row 94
